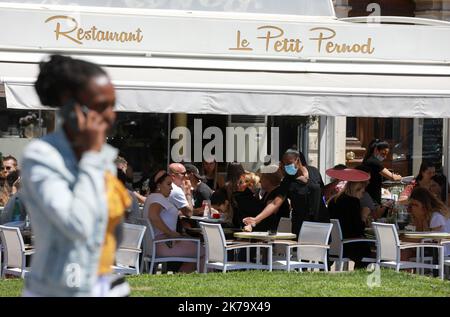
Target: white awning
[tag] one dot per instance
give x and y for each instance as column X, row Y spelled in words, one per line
column 162, row 90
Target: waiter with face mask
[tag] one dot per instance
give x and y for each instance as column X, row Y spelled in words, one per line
column 295, row 187
column 373, row 162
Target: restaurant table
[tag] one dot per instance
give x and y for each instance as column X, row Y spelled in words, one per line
column 265, row 237
column 427, row 235
column 204, row 219
column 437, row 237
column 197, row 232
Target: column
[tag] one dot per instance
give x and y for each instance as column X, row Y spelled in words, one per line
column 417, row 145
column 313, row 146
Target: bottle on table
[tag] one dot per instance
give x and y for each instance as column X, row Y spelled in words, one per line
column 206, row 208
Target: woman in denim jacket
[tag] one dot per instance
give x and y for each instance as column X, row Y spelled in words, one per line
column 64, row 186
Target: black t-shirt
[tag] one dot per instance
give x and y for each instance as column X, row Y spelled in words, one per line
column 297, row 192
column 201, row 193
column 318, row 208
column 271, row 222
column 210, row 183
column 348, row 210
column 374, row 188
column 247, row 205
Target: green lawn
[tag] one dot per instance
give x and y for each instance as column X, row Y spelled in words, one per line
column 265, row 284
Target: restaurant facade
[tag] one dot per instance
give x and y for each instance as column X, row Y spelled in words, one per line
column 329, row 84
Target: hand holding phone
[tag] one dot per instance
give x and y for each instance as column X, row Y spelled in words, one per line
column 88, row 128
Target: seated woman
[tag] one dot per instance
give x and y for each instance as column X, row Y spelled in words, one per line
column 268, row 220
column 429, row 214
column 247, row 202
column 425, row 179
column 163, row 216
column 346, row 207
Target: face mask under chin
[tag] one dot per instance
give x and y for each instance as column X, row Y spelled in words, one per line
column 380, row 158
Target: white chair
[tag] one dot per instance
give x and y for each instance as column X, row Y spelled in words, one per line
column 389, row 250
column 14, row 262
column 127, row 254
column 150, row 258
column 216, row 256
column 312, row 247
column 285, row 225
column 337, row 246
column 446, row 258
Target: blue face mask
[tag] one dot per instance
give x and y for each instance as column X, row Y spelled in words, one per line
column 290, row 169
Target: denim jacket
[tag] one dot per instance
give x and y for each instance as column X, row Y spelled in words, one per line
column 66, row 203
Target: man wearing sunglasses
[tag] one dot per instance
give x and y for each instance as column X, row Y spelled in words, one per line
column 181, row 194
column 9, row 165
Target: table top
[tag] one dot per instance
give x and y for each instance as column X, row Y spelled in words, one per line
column 265, row 235
column 427, row 235
column 205, row 219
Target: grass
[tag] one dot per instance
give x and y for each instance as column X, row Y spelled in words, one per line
column 275, row 284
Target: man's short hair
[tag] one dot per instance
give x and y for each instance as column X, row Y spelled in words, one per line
column 10, row 158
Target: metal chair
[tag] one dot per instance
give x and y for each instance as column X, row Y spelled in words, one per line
column 15, row 253
column 285, row 225
column 127, row 254
column 217, row 251
column 389, row 250
column 150, row 258
column 337, row 246
column 312, row 247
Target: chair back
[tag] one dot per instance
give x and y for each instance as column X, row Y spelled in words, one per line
column 387, row 241
column 13, row 247
column 336, row 238
column 285, row 225
column 313, row 233
column 132, row 239
column 149, row 236
column 215, row 242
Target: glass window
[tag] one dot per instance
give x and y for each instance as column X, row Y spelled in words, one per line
column 411, row 141
column 19, row 127
column 142, row 140
column 297, row 7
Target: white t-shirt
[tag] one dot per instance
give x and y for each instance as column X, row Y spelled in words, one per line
column 438, row 220
column 177, row 197
column 169, row 213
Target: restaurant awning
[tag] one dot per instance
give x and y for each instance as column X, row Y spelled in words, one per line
column 324, row 90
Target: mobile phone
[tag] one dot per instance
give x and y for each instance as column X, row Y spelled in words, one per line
column 69, row 115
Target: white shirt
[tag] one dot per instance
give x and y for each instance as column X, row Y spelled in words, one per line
column 177, row 197
column 438, row 220
column 169, row 213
